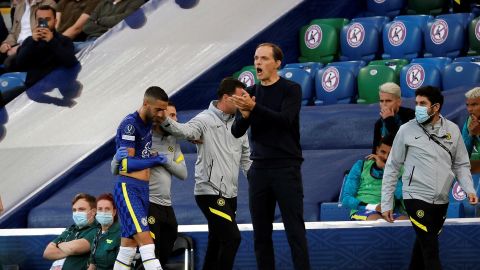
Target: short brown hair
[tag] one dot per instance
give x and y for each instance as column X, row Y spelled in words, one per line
column 108, row 197
column 87, row 197
column 277, row 52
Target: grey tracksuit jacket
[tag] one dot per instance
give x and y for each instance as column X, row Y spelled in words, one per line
column 220, row 155
column 428, row 168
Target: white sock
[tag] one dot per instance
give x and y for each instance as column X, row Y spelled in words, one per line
column 124, row 258
column 148, row 257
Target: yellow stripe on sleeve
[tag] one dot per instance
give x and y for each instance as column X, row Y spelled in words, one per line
column 123, row 165
column 220, row 213
column 129, row 206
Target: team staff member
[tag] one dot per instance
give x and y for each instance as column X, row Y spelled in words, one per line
column 131, row 189
column 273, row 117
column 432, row 152
column 220, row 157
column 161, row 217
column 471, row 128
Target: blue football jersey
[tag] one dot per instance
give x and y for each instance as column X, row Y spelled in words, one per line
column 134, row 133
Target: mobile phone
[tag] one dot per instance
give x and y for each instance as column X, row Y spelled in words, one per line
column 42, row 23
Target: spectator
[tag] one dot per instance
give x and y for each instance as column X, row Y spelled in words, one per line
column 72, row 16
column 432, row 154
column 72, row 248
column 23, row 24
column 45, row 50
column 162, row 221
column 104, row 248
column 105, row 16
column 471, row 128
column 220, row 157
column 363, row 186
column 392, row 116
column 271, row 109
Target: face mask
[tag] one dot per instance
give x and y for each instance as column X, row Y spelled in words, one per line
column 421, row 114
column 80, row 218
column 104, row 218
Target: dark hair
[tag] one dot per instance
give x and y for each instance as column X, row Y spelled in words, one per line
column 277, row 52
column 156, row 93
column 47, row 7
column 228, row 86
column 108, row 197
column 171, row 104
column 432, row 93
column 387, row 140
column 87, row 197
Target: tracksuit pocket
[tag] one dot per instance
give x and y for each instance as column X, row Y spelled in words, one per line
column 411, row 176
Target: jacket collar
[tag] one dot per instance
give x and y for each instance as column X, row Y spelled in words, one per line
column 223, row 116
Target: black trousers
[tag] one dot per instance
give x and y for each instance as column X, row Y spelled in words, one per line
column 266, row 188
column 223, row 234
column 427, row 220
column 163, row 225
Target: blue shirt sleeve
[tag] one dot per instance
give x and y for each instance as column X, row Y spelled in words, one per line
column 467, row 139
column 350, row 187
column 127, row 133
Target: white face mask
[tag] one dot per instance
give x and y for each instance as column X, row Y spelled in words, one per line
column 80, row 218
column 104, row 218
column 421, row 114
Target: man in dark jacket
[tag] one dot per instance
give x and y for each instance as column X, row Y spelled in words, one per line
column 45, row 50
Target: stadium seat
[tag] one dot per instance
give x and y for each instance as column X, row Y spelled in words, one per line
column 459, row 74
column 420, row 20
column 432, row 7
column 370, row 78
column 438, row 62
column 463, row 18
column 303, row 78
column 318, row 43
column 474, row 37
column 354, row 66
column 378, row 21
column 310, row 67
column 11, row 85
column 415, row 75
column 473, row 59
column 458, row 195
column 402, row 39
column 359, row 41
column 337, row 23
column 333, row 211
column 395, row 64
column 385, row 8
column 334, row 84
column 444, row 37
column 247, row 75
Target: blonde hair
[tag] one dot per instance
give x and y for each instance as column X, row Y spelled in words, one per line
column 473, row 93
column 390, row 88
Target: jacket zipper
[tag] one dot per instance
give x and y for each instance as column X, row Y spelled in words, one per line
column 411, row 176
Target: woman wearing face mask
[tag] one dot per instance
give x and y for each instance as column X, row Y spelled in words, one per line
column 105, row 246
column 71, row 250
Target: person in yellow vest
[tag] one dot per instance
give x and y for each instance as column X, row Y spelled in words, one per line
column 362, row 189
column 471, row 128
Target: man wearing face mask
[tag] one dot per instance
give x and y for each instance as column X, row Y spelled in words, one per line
column 432, row 152
column 71, row 249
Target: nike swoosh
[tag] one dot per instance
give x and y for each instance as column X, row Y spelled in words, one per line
column 219, row 126
column 417, row 137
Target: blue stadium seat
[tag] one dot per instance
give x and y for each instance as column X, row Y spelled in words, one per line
column 359, row 41
column 457, row 195
column 420, row 20
column 445, row 37
column 310, row 67
column 473, row 59
column 402, row 39
column 438, row 62
column 335, row 84
column 354, row 66
column 11, row 85
column 378, row 21
column 333, row 211
column 463, row 18
column 303, row 78
column 459, row 74
column 385, row 8
column 415, row 75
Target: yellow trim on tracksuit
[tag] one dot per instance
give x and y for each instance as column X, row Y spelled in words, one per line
column 418, row 224
column 129, row 206
column 123, row 165
column 220, row 213
column 180, row 158
column 358, row 217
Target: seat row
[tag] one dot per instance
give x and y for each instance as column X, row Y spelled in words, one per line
column 407, row 37
column 356, row 82
column 395, row 7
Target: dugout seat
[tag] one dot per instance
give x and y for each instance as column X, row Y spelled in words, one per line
column 474, row 37
column 385, row 8
column 459, row 74
column 359, row 41
column 303, row 78
column 402, row 39
column 378, row 21
column 318, row 43
column 444, row 37
column 247, row 75
column 334, row 84
column 415, row 75
column 438, row 62
column 354, row 66
column 370, row 78
column 395, row 64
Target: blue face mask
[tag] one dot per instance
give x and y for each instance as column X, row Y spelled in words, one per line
column 421, row 114
column 104, row 218
column 80, row 218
